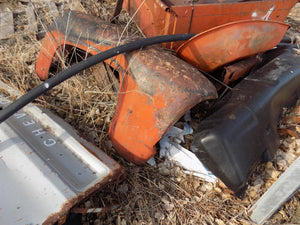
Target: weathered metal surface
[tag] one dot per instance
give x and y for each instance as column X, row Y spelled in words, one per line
column 224, row 44
column 46, row 168
column 242, row 130
column 286, row 185
column 158, row 91
column 94, row 210
column 156, row 87
column 157, row 17
column 83, row 31
column 239, row 69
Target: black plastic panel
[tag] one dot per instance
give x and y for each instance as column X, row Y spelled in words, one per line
column 243, row 129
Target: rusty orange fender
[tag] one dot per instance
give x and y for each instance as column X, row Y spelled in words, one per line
column 224, row 44
column 156, row 87
column 82, row 31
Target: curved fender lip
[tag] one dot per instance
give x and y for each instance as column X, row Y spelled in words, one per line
column 157, row 88
column 86, row 32
column 157, row 91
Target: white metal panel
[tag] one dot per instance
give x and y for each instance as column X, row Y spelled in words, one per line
column 45, row 167
column 29, row 189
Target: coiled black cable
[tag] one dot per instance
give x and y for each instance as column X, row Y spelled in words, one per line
column 73, row 70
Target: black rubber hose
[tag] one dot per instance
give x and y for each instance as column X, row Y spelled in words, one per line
column 288, row 45
column 71, row 71
column 286, row 40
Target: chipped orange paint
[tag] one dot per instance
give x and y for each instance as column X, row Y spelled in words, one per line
column 158, row 17
column 163, row 93
column 227, row 43
column 156, row 87
column 238, row 69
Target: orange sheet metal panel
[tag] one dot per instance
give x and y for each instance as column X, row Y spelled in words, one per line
column 156, row 17
column 227, row 43
column 151, row 16
column 160, row 89
column 156, row 87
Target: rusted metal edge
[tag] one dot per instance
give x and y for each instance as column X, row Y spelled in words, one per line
column 114, row 175
column 115, row 170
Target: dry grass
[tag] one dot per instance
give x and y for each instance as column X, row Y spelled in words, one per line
column 144, row 196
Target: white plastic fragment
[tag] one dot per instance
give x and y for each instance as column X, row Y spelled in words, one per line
column 174, row 153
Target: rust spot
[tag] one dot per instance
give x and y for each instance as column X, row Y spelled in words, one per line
column 115, row 174
column 222, row 45
column 237, row 70
column 159, row 90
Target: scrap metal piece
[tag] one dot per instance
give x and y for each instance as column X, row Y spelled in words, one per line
column 157, row 93
column 283, row 189
column 224, row 44
column 242, row 131
column 160, row 17
column 237, row 70
column 46, row 168
column 156, row 87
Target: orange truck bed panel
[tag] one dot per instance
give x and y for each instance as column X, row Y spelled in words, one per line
column 156, row 17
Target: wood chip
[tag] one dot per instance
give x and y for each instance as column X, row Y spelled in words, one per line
column 286, row 132
column 283, row 148
column 164, row 171
column 282, row 164
column 272, row 174
column 291, row 120
column 219, row 222
column 296, row 216
column 295, row 111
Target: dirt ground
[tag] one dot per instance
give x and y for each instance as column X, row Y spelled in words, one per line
column 146, row 195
